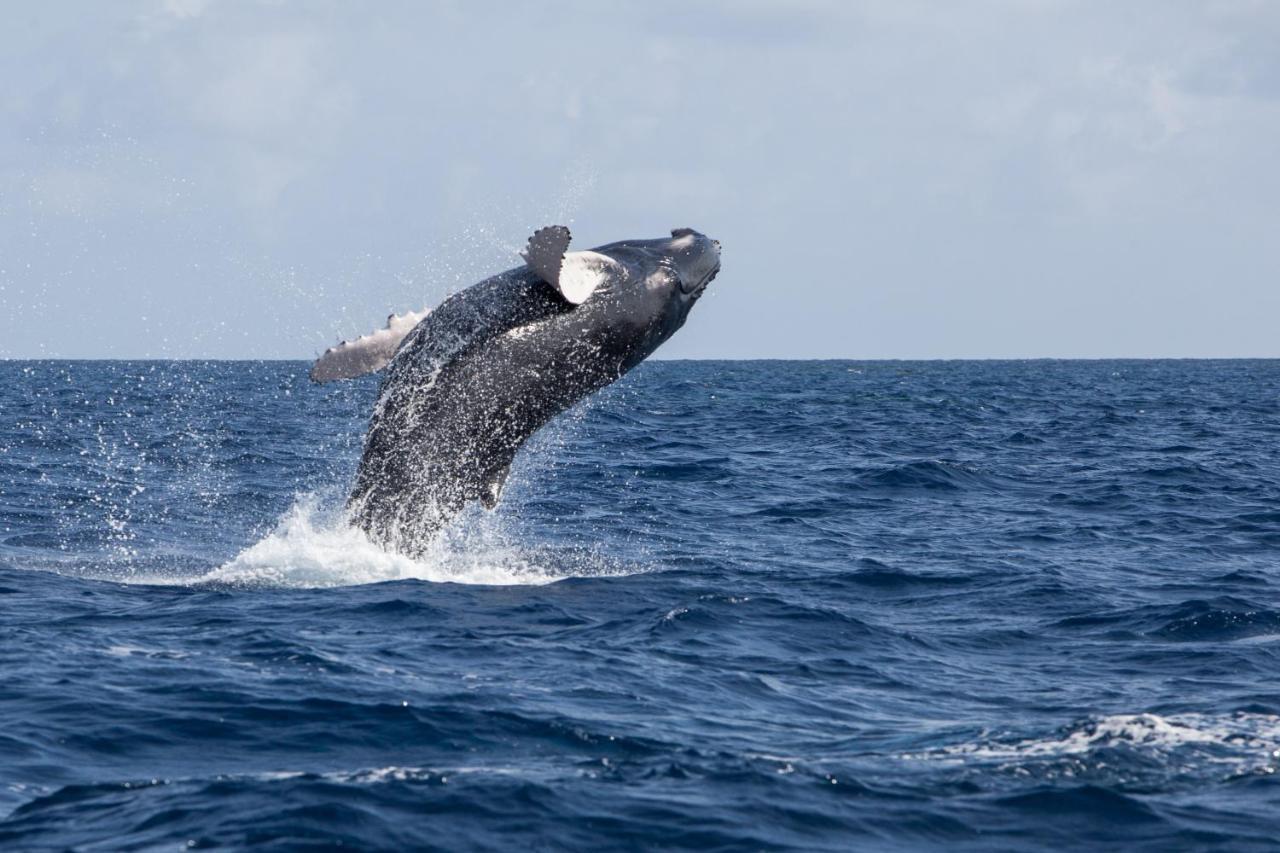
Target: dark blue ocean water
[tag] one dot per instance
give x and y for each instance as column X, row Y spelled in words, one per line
column 726, row 605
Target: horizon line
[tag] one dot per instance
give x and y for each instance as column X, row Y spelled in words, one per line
column 114, row 359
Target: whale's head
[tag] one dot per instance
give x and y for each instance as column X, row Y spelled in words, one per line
column 664, row 279
column 634, row 294
column 695, row 259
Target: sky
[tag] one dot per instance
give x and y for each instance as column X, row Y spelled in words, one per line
column 899, row 179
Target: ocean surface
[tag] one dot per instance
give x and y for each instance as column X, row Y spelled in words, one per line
column 724, row 605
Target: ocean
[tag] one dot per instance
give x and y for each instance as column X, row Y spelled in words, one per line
column 762, row 605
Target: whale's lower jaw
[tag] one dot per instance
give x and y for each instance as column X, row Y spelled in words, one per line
column 698, row 288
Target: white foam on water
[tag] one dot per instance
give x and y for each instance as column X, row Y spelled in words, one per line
column 311, row 547
column 1248, row 742
column 314, row 548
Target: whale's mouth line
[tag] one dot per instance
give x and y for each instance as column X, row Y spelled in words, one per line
column 702, row 285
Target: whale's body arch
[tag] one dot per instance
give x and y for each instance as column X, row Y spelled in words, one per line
column 491, row 365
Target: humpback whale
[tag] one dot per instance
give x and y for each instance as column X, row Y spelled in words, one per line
column 468, row 382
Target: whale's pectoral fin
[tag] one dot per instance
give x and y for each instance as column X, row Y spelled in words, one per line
column 492, row 491
column 366, row 353
column 545, row 252
column 574, row 275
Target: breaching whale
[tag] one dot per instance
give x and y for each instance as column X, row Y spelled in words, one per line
column 468, row 382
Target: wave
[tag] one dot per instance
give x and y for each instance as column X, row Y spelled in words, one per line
column 935, row 475
column 466, row 806
column 1190, row 745
column 1223, row 618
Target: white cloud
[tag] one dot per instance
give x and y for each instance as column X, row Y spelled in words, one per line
column 183, row 9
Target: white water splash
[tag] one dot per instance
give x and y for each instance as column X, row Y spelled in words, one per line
column 1244, row 741
column 314, row 548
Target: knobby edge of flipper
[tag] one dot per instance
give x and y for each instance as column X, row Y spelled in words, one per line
column 367, row 353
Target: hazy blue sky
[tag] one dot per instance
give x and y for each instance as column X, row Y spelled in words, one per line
column 894, row 179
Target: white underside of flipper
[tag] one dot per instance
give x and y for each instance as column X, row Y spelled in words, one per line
column 575, row 275
column 366, row 353
column 581, row 273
